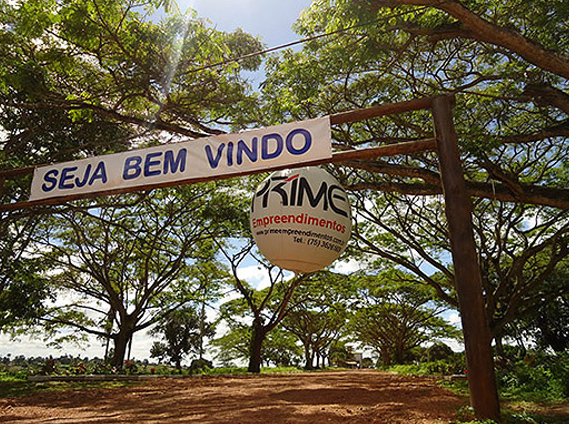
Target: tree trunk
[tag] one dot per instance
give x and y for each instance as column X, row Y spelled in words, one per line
column 128, row 356
column 308, row 357
column 257, row 337
column 499, row 345
column 202, row 330
column 121, row 342
column 107, row 343
column 385, row 356
column 399, row 353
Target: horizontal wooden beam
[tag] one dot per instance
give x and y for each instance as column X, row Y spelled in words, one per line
column 381, row 110
column 339, row 157
column 405, row 148
column 16, row 172
column 409, row 147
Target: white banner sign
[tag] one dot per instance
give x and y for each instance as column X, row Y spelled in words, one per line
column 227, row 154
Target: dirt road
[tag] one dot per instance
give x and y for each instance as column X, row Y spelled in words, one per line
column 347, row 397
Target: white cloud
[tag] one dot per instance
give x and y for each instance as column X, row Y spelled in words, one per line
column 348, row 266
column 255, row 275
column 454, row 318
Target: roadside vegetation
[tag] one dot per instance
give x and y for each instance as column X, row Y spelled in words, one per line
column 533, row 388
column 18, row 376
column 533, row 385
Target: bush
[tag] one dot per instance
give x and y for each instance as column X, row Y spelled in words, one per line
column 454, row 364
column 437, row 352
column 537, row 377
column 200, row 365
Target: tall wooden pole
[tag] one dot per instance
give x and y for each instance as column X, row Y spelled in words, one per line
column 458, row 209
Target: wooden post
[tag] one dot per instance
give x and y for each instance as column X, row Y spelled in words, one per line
column 458, row 209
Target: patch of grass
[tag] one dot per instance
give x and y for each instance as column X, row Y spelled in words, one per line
column 16, row 388
column 243, row 370
column 19, row 388
column 515, row 411
column 512, row 417
column 280, row 369
column 531, row 392
column 454, row 365
column 223, row 370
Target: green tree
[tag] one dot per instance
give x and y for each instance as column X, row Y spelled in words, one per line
column 233, row 344
column 512, row 134
column 505, row 62
column 319, row 314
column 265, row 308
column 546, row 320
column 316, row 330
column 397, row 315
column 22, row 286
column 82, row 78
column 183, row 331
column 513, row 142
column 517, row 254
column 119, row 270
column 100, row 65
column 281, row 349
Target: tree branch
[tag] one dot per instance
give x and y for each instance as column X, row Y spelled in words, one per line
column 474, row 27
column 532, row 194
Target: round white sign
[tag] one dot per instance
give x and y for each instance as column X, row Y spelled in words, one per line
column 301, row 219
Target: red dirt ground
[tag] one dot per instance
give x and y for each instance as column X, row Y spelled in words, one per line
column 334, row 397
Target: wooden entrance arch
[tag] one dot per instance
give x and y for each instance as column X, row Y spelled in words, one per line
column 458, row 209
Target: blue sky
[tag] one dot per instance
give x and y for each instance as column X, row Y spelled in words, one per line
column 269, row 19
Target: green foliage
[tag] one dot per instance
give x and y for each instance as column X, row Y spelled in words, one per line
column 339, row 354
column 22, row 291
column 80, row 78
column 233, row 345
column 534, row 383
column 512, row 132
column 546, row 323
column 23, row 287
column 280, row 349
column 183, row 331
column 438, row 351
column 466, row 416
column 138, row 260
column 537, row 377
column 26, row 388
column 453, row 365
column 319, row 314
column 200, row 366
column 397, row 315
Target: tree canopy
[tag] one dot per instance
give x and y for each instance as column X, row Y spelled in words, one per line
column 507, row 67
column 513, row 140
column 121, row 270
column 84, row 78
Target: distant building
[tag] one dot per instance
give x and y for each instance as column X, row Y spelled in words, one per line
column 355, row 359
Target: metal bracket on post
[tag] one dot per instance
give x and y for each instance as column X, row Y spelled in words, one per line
column 468, row 281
